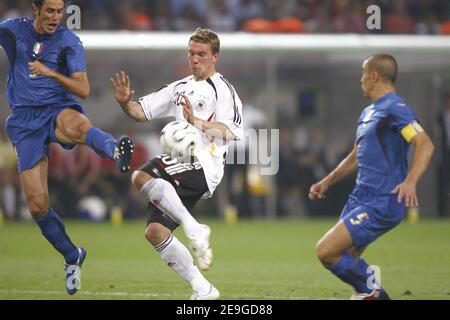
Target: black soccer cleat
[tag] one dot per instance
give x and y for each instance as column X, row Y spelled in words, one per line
column 123, row 153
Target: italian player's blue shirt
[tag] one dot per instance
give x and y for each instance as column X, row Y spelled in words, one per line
column 61, row 51
column 382, row 138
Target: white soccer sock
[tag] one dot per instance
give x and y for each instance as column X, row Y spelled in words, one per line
column 177, row 256
column 164, row 196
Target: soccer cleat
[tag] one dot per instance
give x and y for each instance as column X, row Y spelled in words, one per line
column 73, row 273
column 213, row 294
column 199, row 245
column 377, row 294
column 123, row 153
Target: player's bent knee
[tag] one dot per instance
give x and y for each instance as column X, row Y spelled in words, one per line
column 77, row 133
column 324, row 254
column 84, row 128
column 156, row 233
column 139, row 179
column 38, row 204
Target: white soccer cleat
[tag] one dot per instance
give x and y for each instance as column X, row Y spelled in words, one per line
column 199, row 245
column 359, row 296
column 376, row 294
column 213, row 294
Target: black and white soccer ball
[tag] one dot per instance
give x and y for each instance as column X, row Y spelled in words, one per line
column 179, row 139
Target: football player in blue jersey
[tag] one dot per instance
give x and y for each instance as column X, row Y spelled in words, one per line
column 47, row 72
column 384, row 186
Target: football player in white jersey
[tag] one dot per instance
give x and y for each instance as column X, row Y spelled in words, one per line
column 210, row 103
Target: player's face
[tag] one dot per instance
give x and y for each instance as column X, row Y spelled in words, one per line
column 48, row 16
column 366, row 83
column 201, row 60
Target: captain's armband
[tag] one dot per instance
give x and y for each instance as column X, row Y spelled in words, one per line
column 411, row 130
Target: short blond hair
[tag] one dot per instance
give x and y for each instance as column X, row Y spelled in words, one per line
column 206, row 36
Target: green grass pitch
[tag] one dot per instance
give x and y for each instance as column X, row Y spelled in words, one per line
column 260, row 260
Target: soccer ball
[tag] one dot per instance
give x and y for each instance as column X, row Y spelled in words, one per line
column 179, row 139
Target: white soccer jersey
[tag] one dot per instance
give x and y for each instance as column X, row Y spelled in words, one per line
column 215, row 100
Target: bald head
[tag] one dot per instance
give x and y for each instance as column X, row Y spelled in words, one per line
column 385, row 65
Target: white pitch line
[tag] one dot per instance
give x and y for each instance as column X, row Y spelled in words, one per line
column 112, row 294
column 146, row 295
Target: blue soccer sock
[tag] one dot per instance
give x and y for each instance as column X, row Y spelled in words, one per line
column 362, row 265
column 101, row 142
column 52, row 227
column 364, row 268
column 351, row 272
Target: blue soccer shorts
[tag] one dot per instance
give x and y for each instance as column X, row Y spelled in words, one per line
column 368, row 215
column 32, row 129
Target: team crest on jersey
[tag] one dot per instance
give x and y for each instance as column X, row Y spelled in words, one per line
column 199, row 105
column 37, row 49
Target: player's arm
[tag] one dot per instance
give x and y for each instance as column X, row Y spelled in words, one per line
column 345, row 167
column 77, row 83
column 423, row 151
column 8, row 42
column 214, row 129
column 124, row 97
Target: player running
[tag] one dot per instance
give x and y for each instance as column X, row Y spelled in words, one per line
column 383, row 185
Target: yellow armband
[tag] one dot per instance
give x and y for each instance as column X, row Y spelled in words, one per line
column 411, row 130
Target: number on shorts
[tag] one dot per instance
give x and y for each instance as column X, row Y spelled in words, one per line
column 359, row 219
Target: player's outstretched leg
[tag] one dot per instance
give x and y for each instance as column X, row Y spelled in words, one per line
column 164, row 196
column 73, row 127
column 123, row 153
column 177, row 256
column 106, row 145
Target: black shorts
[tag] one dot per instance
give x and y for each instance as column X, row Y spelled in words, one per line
column 188, row 179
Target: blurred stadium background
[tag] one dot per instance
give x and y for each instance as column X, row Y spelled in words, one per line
column 296, row 65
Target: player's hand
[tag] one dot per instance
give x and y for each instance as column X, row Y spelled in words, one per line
column 408, row 191
column 39, row 69
column 122, row 88
column 188, row 113
column 318, row 190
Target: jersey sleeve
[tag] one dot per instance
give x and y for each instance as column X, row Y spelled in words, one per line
column 75, row 56
column 8, row 31
column 229, row 112
column 405, row 121
column 10, row 25
column 158, row 104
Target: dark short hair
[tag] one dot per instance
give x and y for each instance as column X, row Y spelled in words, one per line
column 206, row 36
column 39, row 3
column 385, row 65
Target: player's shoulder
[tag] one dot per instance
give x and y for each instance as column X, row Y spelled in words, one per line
column 223, row 86
column 220, row 80
column 14, row 23
column 397, row 104
column 181, row 81
column 69, row 37
column 367, row 110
